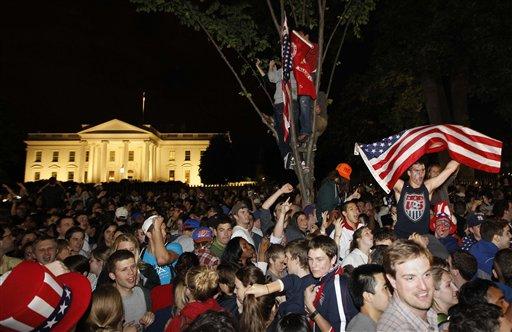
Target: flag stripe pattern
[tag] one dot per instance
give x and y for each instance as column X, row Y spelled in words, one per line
column 390, row 157
column 286, row 83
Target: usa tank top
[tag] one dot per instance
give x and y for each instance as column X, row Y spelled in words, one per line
column 412, row 211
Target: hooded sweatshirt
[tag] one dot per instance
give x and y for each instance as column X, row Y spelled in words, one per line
column 190, row 312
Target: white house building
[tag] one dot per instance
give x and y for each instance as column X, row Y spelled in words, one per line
column 113, row 151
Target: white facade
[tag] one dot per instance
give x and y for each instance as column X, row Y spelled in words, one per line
column 113, row 151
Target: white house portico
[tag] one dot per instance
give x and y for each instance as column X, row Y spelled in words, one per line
column 116, row 150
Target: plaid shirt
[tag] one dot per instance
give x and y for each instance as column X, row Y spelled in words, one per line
column 206, row 258
column 398, row 317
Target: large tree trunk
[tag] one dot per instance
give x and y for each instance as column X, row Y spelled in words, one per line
column 435, row 99
column 459, row 96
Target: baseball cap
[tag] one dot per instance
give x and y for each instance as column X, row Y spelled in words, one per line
column 148, row 223
column 191, row 224
column 121, row 213
column 475, row 219
column 238, row 206
column 344, row 170
column 202, row 234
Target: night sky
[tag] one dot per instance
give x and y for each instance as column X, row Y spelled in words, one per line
column 65, row 63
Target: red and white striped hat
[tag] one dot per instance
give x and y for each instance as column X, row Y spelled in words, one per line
column 32, row 298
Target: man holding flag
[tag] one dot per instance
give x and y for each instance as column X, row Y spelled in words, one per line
column 413, row 197
column 390, row 157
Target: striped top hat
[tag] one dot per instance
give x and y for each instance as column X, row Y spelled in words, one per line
column 32, row 298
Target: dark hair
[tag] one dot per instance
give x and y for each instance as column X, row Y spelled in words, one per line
column 479, row 317
column 219, row 219
column 438, row 262
column 43, row 238
column 490, row 228
column 101, row 236
column 499, row 208
column 503, row 264
column 273, row 252
column 77, row 263
column 475, row 291
column 363, row 280
column 465, row 263
column 344, row 206
column 298, row 249
column 377, row 254
column 227, row 275
column 383, row 234
column 186, row 261
column 119, row 255
column 232, row 253
column 73, row 230
column 328, row 246
column 296, row 216
column 293, row 322
column 212, row 321
column 358, row 234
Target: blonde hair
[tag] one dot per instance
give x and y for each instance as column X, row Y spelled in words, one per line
column 180, row 296
column 106, row 310
column 127, row 237
column 203, row 282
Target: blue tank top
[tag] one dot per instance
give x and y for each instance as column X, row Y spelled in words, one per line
column 412, row 211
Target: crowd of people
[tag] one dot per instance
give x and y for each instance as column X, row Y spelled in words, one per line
column 434, row 256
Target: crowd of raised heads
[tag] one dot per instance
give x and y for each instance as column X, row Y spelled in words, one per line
column 433, row 255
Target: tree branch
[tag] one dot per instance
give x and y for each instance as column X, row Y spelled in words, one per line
column 258, row 77
column 294, row 13
column 331, row 76
column 237, row 77
column 340, row 19
column 274, row 18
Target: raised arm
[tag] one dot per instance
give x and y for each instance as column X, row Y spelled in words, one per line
column 434, row 183
column 162, row 255
column 285, row 189
column 279, row 228
column 397, row 189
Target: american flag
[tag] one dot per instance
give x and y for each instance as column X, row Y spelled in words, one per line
column 286, row 54
column 390, row 157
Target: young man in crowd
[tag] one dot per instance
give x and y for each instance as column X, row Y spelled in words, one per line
column 474, row 221
column 63, row 224
column 371, row 295
column 45, row 249
column 407, row 267
column 295, row 283
column 157, row 253
column 123, row 270
column 76, row 237
column 480, row 317
column 463, row 267
column 243, row 220
column 413, row 198
column 222, row 229
column 344, row 231
column 329, row 304
column 495, row 236
column 482, row 291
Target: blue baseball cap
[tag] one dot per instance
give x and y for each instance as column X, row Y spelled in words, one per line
column 191, row 224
